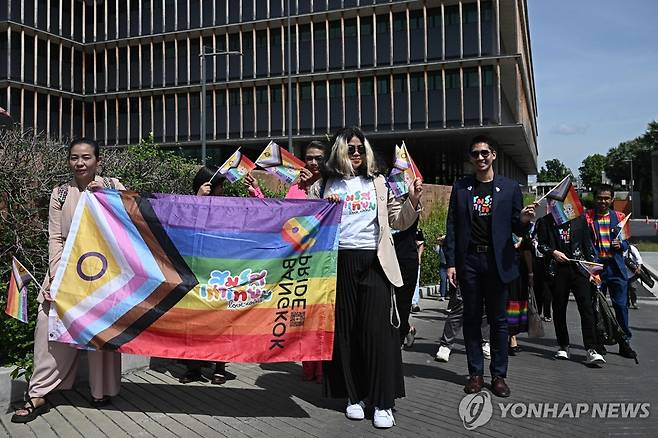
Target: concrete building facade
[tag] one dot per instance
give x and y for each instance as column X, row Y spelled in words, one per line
column 433, row 73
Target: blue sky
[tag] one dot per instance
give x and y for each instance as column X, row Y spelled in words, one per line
column 596, row 74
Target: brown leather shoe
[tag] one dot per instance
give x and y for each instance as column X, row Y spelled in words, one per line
column 499, row 387
column 475, row 384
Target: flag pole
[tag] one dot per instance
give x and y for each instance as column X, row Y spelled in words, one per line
column 537, row 201
column 25, row 269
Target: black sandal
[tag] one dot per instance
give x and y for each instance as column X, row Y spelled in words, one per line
column 32, row 412
column 218, row 379
column 100, row 402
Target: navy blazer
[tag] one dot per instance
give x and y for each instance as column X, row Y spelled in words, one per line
column 505, row 220
column 617, row 255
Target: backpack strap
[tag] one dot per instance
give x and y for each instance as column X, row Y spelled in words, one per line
column 62, row 193
column 323, row 186
column 108, row 183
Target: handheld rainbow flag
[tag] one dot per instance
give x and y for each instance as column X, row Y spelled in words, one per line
column 404, row 172
column 591, row 268
column 280, row 163
column 564, row 206
column 237, row 167
column 623, row 228
column 17, row 291
column 199, row 277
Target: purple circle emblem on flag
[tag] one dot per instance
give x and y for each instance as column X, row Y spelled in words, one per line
column 100, row 273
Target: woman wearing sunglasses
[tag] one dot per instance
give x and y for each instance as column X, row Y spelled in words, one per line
column 367, row 364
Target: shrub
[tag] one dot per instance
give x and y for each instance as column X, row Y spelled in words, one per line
column 433, row 225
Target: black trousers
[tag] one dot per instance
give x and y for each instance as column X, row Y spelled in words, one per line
column 405, row 293
column 569, row 279
column 481, row 285
column 367, row 362
column 542, row 288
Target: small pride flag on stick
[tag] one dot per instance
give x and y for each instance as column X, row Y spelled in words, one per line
column 17, row 292
column 237, row 167
column 624, row 228
column 280, row 163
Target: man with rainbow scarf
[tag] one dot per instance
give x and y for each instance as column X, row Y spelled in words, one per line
column 610, row 245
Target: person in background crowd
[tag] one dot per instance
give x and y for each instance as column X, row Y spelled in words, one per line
column 542, row 278
column 420, row 244
column 367, row 363
column 484, row 211
column 603, row 222
column 314, row 157
column 517, row 301
column 408, row 253
column 443, row 267
column 634, row 264
column 209, row 182
column 453, row 326
column 566, row 242
column 55, row 363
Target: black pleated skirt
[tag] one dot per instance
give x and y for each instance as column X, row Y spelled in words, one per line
column 367, row 362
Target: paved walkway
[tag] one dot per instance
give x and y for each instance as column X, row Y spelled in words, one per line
column 270, row 400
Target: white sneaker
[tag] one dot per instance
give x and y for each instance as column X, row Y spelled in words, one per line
column 355, row 411
column 594, row 359
column 383, row 419
column 486, row 350
column 410, row 338
column 562, row 353
column 443, row 355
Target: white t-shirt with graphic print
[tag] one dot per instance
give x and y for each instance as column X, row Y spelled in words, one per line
column 359, row 228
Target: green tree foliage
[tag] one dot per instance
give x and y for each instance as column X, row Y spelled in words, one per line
column 553, row 171
column 433, row 226
column 591, row 169
column 639, row 150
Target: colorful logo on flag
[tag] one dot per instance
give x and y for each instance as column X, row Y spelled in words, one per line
column 280, row 163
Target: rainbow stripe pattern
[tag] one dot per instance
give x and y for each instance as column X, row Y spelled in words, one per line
column 237, row 167
column 209, row 278
column 17, row 291
column 568, row 208
column 280, row 163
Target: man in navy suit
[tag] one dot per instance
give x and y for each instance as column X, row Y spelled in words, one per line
column 485, row 209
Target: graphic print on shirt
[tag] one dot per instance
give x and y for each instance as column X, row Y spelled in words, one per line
column 565, row 234
column 482, row 205
column 358, row 202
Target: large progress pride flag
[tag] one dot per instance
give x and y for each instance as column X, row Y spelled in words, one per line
column 211, row 278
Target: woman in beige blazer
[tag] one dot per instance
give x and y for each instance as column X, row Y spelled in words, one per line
column 55, row 364
column 367, row 364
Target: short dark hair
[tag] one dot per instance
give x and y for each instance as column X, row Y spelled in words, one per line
column 84, row 140
column 483, row 139
column 604, row 188
column 317, row 145
column 204, row 175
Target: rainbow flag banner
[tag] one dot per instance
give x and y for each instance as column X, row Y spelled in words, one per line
column 567, row 208
column 236, row 167
column 404, row 172
column 17, row 291
column 209, row 278
column 280, row 163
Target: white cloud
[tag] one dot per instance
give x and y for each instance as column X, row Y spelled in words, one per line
column 570, row 129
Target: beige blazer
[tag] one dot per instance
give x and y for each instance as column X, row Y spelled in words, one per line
column 59, row 224
column 391, row 213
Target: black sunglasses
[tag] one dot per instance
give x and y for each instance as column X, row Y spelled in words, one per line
column 476, row 154
column 351, row 149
